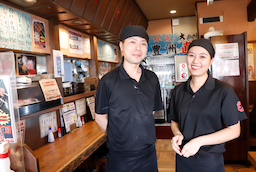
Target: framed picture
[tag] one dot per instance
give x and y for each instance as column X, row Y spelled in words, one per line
column 26, row 64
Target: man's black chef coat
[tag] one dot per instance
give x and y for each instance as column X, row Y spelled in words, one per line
column 129, row 105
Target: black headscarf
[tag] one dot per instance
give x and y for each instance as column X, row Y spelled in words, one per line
column 205, row 43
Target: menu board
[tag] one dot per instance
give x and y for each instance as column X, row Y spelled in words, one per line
column 226, row 61
column 75, row 42
column 50, row 89
column 106, row 52
column 80, row 107
column 15, row 30
column 47, row 120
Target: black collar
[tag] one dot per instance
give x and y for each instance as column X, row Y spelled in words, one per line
column 208, row 85
column 123, row 74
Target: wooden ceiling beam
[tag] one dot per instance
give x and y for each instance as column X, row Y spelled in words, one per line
column 251, row 12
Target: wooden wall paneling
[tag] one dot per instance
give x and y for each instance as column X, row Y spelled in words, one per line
column 78, row 7
column 126, row 20
column 111, row 11
column 32, row 137
column 91, row 10
column 139, row 20
column 131, row 19
column 101, row 11
column 136, row 19
column 64, row 3
column 121, row 18
column 54, row 43
column 252, row 91
column 122, row 7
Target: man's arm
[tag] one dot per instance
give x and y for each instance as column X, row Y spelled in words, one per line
column 102, row 121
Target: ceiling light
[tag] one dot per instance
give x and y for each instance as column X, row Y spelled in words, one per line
column 173, row 11
column 77, row 22
column 30, row 1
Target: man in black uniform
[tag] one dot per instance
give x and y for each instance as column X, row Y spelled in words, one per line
column 125, row 101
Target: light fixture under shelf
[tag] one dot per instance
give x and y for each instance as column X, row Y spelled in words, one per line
column 30, row 1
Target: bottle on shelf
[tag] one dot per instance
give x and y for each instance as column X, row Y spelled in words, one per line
column 59, row 132
column 50, row 135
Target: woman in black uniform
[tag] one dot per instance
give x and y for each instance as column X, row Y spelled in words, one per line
column 198, row 110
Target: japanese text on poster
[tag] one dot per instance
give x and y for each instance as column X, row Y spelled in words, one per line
column 50, row 89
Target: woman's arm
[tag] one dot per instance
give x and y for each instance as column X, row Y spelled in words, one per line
column 178, row 137
column 102, row 121
column 221, row 136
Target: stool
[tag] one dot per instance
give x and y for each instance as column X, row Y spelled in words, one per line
column 246, row 170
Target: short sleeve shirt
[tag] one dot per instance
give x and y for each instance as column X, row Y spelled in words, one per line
column 129, row 105
column 205, row 111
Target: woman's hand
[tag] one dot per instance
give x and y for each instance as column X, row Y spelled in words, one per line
column 176, row 142
column 191, row 148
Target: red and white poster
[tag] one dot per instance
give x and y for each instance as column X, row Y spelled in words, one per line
column 75, row 42
column 7, row 118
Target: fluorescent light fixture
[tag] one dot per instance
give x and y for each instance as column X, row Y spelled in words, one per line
column 173, row 11
column 30, row 1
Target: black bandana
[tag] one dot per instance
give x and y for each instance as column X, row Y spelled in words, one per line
column 205, row 43
column 133, row 30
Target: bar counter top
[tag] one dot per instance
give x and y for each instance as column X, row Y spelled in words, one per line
column 69, row 151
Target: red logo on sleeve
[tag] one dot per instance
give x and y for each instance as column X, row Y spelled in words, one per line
column 239, row 106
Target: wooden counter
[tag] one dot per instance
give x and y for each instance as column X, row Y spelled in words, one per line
column 251, row 156
column 69, row 151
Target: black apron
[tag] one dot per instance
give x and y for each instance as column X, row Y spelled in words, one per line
column 211, row 162
column 136, row 161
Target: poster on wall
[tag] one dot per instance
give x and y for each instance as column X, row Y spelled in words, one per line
column 26, row 64
column 75, row 42
column 63, row 39
column 15, row 30
column 7, row 118
column 168, row 44
column 12, row 28
column 80, row 107
column 4, row 29
column 47, row 120
column 86, row 45
column 39, row 34
column 106, row 51
column 28, row 31
column 251, row 71
column 226, row 61
column 7, row 64
column 50, row 89
column 58, row 63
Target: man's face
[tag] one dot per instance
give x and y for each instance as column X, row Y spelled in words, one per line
column 134, row 49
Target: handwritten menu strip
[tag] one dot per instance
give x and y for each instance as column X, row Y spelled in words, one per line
column 15, row 30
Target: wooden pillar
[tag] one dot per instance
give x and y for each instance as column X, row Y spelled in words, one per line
column 93, row 63
column 54, row 43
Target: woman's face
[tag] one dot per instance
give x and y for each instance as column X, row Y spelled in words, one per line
column 198, row 60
